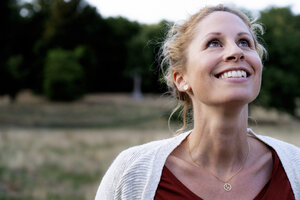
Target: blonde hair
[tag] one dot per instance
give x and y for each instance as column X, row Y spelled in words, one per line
column 175, row 46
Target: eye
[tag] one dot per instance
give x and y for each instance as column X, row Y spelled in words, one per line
column 244, row 43
column 214, row 43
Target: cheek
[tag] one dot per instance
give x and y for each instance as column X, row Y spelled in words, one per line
column 255, row 62
column 198, row 75
column 257, row 67
column 201, row 64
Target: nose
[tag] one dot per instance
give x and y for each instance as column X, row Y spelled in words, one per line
column 233, row 53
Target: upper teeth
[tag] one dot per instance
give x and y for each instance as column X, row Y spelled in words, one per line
column 234, row 74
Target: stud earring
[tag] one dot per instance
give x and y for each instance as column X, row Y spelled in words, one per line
column 185, row 87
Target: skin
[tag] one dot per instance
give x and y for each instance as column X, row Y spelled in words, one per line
column 219, row 141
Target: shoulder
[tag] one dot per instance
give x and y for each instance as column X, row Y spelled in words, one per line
column 126, row 166
column 141, row 151
column 278, row 145
column 289, row 156
column 150, row 149
column 136, row 168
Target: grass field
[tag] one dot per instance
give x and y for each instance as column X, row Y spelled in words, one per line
column 61, row 151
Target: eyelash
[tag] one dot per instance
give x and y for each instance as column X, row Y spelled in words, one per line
column 213, row 41
column 246, row 40
column 216, row 41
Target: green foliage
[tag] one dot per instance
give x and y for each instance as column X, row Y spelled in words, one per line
column 63, row 75
column 13, row 66
column 117, row 49
column 14, row 75
column 281, row 82
column 122, row 31
column 11, row 58
column 142, row 54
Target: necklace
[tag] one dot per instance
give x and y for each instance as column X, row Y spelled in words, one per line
column 227, row 186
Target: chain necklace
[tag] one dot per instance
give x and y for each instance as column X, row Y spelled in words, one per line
column 227, row 186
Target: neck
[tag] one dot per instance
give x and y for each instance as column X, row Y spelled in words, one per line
column 218, row 141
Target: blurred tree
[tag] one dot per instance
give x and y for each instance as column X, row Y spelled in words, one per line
column 94, row 32
column 142, row 57
column 49, row 19
column 281, row 81
column 72, row 23
column 115, row 51
column 61, row 28
column 49, row 24
column 64, row 76
column 63, row 24
column 14, row 75
column 11, row 59
column 122, row 31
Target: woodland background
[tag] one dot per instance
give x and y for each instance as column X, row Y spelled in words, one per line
column 65, row 49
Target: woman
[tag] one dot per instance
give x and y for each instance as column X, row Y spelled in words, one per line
column 214, row 68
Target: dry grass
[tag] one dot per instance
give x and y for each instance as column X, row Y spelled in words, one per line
column 61, row 151
column 62, row 163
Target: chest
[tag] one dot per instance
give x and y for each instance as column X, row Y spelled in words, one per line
column 187, row 183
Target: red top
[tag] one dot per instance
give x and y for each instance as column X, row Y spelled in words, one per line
column 277, row 188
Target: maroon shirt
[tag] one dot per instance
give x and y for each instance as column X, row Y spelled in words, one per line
column 277, row 188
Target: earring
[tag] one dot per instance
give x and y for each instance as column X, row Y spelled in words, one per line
column 185, row 87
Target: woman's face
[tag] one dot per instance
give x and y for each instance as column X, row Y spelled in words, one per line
column 222, row 63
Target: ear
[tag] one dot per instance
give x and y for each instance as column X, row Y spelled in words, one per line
column 180, row 82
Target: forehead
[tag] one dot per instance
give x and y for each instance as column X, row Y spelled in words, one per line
column 221, row 21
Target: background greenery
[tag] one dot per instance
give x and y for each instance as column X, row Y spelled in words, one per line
column 42, row 38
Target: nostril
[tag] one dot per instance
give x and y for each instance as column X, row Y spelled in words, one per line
column 231, row 58
column 233, row 54
column 235, row 58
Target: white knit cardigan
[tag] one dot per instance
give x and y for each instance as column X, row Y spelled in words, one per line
column 136, row 172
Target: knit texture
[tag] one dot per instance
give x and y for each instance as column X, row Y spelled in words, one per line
column 136, row 172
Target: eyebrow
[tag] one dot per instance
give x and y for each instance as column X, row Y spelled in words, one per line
column 244, row 33
column 219, row 33
column 212, row 33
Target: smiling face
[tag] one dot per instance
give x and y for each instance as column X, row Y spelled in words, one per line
column 222, row 64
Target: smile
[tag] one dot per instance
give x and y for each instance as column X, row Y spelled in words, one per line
column 233, row 74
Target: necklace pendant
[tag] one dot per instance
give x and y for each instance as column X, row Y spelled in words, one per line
column 227, row 187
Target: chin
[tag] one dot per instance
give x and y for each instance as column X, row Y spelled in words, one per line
column 242, row 102
column 237, row 99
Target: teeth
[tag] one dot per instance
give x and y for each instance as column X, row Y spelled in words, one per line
column 244, row 74
column 234, row 74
